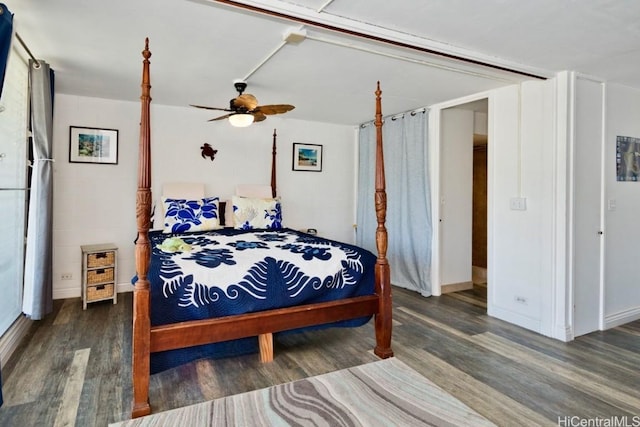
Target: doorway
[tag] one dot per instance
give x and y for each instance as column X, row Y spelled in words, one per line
column 463, row 202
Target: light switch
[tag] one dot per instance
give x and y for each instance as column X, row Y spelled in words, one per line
column 518, row 204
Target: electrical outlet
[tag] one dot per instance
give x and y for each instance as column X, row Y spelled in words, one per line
column 66, row 276
column 520, row 300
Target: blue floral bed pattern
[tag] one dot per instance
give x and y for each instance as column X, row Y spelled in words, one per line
column 228, row 271
column 183, row 215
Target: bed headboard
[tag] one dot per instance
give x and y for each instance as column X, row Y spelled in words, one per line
column 255, row 191
column 183, row 190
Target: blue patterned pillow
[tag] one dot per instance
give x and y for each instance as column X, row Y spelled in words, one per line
column 249, row 213
column 183, row 215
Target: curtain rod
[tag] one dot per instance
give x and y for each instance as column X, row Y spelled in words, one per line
column 398, row 115
column 24, row 45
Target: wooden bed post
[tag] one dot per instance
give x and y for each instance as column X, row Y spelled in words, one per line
column 273, row 166
column 141, row 296
column 383, row 273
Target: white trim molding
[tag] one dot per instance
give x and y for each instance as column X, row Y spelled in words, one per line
column 622, row 317
column 12, row 338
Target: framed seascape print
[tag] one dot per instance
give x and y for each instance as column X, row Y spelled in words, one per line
column 307, row 157
column 93, row 145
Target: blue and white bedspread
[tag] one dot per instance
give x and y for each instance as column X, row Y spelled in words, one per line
column 227, row 271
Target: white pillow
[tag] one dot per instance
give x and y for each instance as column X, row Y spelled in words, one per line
column 174, row 190
column 252, row 213
column 182, row 215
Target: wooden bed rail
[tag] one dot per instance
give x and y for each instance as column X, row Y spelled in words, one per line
column 196, row 332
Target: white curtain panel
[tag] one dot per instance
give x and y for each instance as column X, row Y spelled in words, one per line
column 408, row 222
column 38, row 293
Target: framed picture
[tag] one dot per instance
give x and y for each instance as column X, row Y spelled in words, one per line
column 93, row 145
column 307, row 157
column 627, row 158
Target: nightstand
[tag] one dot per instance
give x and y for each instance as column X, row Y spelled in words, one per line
column 99, row 268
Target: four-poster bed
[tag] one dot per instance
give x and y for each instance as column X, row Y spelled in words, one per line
column 150, row 337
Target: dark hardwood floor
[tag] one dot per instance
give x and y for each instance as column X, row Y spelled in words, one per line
column 74, row 366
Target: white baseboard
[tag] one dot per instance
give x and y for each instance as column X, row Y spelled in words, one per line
column 77, row 292
column 563, row 334
column 66, row 293
column 124, row 287
column 622, row 317
column 515, row 318
column 12, row 338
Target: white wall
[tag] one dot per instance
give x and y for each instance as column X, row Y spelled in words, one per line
column 521, row 164
column 456, row 195
column 527, row 158
column 530, row 264
column 622, row 233
column 96, row 203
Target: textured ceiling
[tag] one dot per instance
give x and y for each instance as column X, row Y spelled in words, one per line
column 201, row 46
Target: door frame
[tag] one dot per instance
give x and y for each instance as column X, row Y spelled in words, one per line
column 435, row 142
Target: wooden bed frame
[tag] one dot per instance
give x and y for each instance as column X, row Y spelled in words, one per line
column 148, row 339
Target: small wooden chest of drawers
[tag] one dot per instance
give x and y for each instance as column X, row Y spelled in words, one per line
column 99, row 268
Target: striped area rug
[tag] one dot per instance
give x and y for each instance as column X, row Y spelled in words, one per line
column 383, row 393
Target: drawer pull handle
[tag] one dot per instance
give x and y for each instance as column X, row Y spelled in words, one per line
column 100, row 271
column 101, row 255
column 99, row 288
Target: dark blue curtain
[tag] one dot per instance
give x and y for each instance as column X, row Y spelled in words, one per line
column 6, row 30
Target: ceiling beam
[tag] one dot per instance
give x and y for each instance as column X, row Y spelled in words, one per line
column 287, row 15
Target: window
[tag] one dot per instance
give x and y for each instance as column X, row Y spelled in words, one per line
column 13, row 187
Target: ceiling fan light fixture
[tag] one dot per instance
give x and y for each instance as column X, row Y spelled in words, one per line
column 241, row 120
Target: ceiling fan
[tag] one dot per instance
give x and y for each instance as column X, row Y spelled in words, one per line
column 244, row 109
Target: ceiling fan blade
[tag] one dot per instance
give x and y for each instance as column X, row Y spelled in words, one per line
column 245, row 103
column 258, row 116
column 274, row 109
column 210, row 108
column 226, row 116
column 246, row 100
